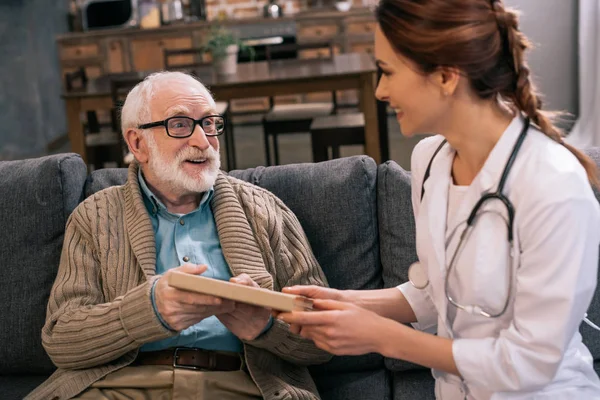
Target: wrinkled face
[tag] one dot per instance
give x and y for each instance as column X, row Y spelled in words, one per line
column 181, row 165
column 414, row 96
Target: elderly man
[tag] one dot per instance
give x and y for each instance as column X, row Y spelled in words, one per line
column 117, row 330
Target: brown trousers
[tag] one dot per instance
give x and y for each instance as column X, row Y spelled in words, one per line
column 161, row 382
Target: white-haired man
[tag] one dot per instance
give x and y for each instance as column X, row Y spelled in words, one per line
column 117, row 330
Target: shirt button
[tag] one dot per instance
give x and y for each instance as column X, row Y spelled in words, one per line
column 186, row 259
column 181, row 222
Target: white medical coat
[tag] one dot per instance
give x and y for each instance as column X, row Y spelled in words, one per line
column 534, row 350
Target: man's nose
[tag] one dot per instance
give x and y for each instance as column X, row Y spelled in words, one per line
column 199, row 138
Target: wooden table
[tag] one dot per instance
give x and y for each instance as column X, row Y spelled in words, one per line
column 256, row 79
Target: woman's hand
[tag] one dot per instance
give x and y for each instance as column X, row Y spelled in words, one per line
column 338, row 327
column 316, row 292
column 313, row 292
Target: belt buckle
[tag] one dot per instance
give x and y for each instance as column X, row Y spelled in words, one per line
column 212, row 359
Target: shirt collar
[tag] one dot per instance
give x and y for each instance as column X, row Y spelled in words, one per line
column 155, row 206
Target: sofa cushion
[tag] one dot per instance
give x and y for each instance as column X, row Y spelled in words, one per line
column 18, row 386
column 396, row 233
column 335, row 201
column 413, row 385
column 103, row 178
column 396, row 223
column 591, row 337
column 38, row 195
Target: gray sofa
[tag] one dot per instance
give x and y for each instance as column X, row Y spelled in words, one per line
column 356, row 214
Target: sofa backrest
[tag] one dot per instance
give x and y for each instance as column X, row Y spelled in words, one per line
column 36, row 198
column 335, row 202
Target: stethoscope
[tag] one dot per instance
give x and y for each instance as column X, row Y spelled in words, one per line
column 417, row 274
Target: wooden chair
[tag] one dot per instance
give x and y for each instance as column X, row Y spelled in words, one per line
column 334, row 131
column 293, row 118
column 98, row 136
column 198, row 66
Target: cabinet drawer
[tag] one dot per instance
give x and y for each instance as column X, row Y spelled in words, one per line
column 317, row 53
column 115, row 57
column 362, row 48
column 148, row 53
column 361, row 28
column 79, row 52
column 317, row 31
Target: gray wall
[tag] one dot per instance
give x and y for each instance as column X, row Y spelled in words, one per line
column 552, row 27
column 31, row 111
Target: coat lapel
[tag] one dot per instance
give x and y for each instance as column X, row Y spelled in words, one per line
column 435, row 203
column 238, row 241
column 139, row 226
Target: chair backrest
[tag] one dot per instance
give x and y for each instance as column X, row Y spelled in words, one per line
column 172, row 58
column 119, row 88
column 72, row 77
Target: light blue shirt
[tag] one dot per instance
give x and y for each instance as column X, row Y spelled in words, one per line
column 189, row 238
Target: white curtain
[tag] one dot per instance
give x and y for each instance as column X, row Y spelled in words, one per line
column 586, row 131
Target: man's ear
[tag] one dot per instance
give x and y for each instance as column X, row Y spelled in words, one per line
column 447, row 79
column 137, row 144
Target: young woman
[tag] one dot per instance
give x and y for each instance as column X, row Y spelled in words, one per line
column 507, row 224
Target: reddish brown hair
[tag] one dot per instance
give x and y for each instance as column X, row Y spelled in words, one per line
column 481, row 38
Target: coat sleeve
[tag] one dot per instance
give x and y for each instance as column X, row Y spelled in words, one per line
column 295, row 264
column 555, row 282
column 419, row 300
column 82, row 328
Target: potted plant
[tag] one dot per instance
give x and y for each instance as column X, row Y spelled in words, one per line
column 224, row 46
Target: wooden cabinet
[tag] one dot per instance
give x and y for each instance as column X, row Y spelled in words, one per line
column 114, row 51
column 313, row 32
column 363, row 48
column 147, row 53
column 79, row 52
column 360, row 27
column 116, row 59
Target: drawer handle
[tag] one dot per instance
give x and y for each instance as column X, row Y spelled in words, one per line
column 367, row 28
column 318, row 32
column 161, row 43
column 77, row 52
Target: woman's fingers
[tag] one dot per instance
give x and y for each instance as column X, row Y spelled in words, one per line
column 307, row 317
column 313, row 292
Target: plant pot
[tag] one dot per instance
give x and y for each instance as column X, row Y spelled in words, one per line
column 228, row 64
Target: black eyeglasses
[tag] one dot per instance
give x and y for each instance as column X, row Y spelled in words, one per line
column 182, row 127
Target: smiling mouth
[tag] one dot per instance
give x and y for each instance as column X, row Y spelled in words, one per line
column 199, row 161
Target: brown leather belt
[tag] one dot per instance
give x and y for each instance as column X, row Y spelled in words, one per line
column 191, row 358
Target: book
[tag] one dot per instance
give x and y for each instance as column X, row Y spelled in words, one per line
column 244, row 294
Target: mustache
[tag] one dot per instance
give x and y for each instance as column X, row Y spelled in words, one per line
column 191, row 153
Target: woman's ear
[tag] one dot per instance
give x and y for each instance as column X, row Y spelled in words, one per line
column 137, row 144
column 447, row 79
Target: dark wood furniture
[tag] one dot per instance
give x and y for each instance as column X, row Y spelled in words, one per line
column 293, row 118
column 334, row 131
column 280, row 77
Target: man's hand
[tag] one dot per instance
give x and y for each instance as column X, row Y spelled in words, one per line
column 181, row 309
column 245, row 321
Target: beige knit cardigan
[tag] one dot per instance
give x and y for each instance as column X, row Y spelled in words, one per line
column 99, row 312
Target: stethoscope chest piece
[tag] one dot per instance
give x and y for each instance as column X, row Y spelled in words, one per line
column 417, row 276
